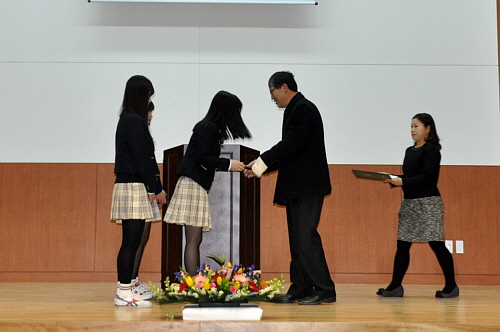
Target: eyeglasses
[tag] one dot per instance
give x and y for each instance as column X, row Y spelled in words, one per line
column 272, row 90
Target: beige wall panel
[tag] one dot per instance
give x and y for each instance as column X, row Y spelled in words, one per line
column 48, row 217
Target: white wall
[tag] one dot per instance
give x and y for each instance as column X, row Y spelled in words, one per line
column 369, row 65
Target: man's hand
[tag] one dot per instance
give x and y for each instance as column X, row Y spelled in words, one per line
column 248, row 170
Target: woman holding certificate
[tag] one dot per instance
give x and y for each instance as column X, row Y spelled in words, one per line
column 421, row 213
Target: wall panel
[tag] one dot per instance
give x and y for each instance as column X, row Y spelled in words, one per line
column 56, row 227
column 368, row 66
column 359, row 227
column 48, row 213
column 108, row 233
column 472, row 198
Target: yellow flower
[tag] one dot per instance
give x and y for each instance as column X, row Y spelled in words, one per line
column 237, row 285
column 189, row 281
column 206, row 285
column 229, row 264
column 219, row 280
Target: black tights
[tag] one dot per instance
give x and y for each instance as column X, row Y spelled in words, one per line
column 192, row 250
column 140, row 250
column 402, row 261
column 132, row 230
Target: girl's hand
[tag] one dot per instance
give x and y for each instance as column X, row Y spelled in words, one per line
column 151, row 198
column 237, row 166
column 161, row 198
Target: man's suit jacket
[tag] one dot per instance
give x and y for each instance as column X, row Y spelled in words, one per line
column 300, row 156
column 202, row 157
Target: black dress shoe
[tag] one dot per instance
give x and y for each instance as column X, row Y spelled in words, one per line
column 454, row 293
column 287, row 298
column 318, row 299
column 396, row 292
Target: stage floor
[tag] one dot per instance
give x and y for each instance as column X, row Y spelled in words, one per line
column 89, row 307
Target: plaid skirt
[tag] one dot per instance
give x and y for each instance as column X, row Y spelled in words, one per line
column 131, row 201
column 421, row 220
column 189, row 205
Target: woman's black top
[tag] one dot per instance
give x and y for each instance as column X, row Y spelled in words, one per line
column 421, row 171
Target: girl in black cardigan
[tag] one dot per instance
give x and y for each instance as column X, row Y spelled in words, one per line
column 189, row 203
column 137, row 190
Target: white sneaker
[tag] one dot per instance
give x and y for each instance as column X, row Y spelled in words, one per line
column 141, row 291
column 125, row 298
column 144, row 286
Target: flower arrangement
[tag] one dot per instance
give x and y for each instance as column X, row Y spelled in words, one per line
column 229, row 284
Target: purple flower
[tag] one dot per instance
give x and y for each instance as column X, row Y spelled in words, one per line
column 178, row 276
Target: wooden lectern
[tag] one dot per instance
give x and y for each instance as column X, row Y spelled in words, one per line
column 234, row 208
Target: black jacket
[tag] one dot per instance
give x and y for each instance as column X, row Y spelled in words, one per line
column 300, row 156
column 135, row 159
column 202, row 157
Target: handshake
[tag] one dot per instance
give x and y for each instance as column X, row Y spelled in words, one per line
column 254, row 168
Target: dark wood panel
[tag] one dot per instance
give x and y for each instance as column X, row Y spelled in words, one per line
column 171, row 247
column 242, row 195
column 249, row 213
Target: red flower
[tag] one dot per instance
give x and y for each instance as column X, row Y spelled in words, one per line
column 253, row 287
column 214, row 278
column 182, row 287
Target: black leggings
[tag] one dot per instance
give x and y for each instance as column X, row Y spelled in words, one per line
column 132, row 230
column 402, row 261
column 140, row 250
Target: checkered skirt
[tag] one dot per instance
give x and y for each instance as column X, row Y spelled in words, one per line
column 131, row 201
column 421, row 220
column 189, row 205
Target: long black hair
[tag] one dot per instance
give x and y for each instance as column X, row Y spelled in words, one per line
column 225, row 112
column 427, row 120
column 138, row 90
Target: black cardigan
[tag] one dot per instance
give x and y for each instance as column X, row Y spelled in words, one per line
column 135, row 159
column 421, row 171
column 202, row 157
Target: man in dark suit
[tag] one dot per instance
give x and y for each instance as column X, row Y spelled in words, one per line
column 303, row 181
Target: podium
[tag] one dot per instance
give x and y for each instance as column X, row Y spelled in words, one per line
column 235, row 211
